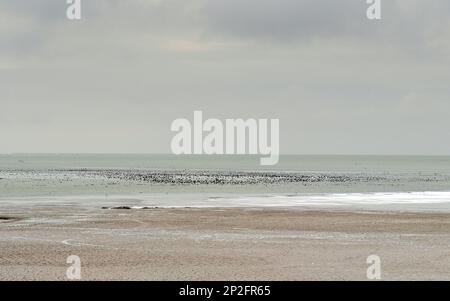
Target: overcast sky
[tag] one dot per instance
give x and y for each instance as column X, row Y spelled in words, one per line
column 114, row 81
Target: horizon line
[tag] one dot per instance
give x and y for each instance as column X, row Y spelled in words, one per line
column 216, row 155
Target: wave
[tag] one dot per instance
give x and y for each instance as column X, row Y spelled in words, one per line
column 340, row 199
column 403, row 201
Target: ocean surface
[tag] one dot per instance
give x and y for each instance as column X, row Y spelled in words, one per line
column 363, row 182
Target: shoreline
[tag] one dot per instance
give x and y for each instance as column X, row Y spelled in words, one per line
column 222, row 244
column 396, row 202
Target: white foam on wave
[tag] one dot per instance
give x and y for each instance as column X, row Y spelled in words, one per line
column 339, row 199
column 392, row 201
column 432, row 200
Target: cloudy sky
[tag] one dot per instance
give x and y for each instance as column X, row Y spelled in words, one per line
column 114, row 81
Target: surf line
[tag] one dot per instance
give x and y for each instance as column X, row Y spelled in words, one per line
column 236, row 137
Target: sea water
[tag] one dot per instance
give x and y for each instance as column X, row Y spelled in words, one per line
column 362, row 182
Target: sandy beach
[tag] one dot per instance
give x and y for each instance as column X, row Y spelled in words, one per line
column 221, row 244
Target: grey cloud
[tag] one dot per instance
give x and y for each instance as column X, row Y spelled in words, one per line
column 286, row 19
column 408, row 22
column 124, row 72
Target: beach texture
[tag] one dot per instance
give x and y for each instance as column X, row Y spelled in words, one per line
column 221, row 244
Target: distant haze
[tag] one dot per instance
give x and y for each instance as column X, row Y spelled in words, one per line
column 114, row 81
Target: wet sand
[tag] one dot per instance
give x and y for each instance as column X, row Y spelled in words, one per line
column 221, row 244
